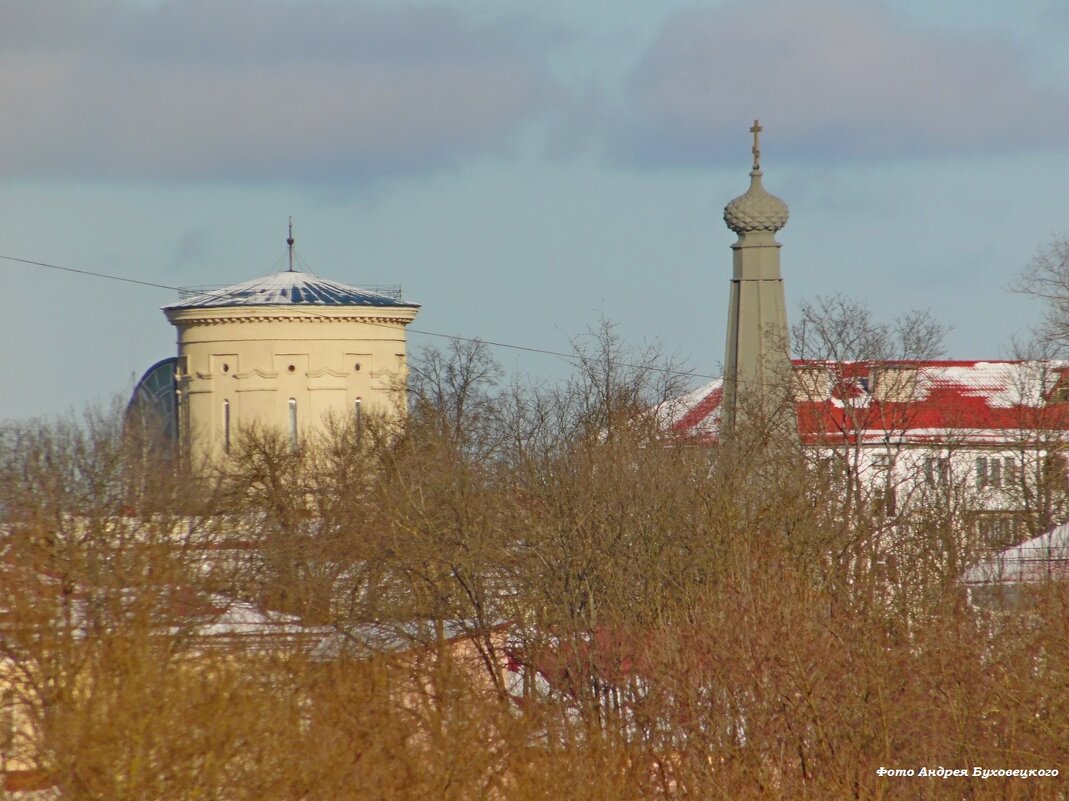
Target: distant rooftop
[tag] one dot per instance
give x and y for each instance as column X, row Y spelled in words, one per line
column 291, row 289
column 975, row 399
column 1037, row 559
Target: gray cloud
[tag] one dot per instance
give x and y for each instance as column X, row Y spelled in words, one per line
column 830, row 80
column 259, row 89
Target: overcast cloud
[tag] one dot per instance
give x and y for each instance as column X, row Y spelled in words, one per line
column 829, row 79
column 255, row 89
column 346, row 93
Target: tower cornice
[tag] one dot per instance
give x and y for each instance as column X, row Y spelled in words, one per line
column 295, row 314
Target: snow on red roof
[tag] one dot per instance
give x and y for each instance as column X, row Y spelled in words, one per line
column 918, row 401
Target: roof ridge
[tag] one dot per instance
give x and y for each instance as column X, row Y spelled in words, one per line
column 285, row 288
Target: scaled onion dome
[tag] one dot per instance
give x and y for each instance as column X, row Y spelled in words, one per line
column 757, row 210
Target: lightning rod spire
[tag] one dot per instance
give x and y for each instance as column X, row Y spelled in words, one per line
column 289, row 242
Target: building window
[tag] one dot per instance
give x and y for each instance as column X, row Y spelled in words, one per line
column 1055, row 471
column 1011, row 476
column 937, row 471
column 885, row 500
column 999, row 530
column 995, row 471
column 226, row 426
column 293, row 423
column 179, row 407
column 883, row 495
column 831, row 470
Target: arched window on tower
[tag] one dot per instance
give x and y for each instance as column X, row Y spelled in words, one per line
column 293, row 423
column 226, row 426
column 181, row 425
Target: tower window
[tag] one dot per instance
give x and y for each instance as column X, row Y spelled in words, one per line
column 356, row 367
column 291, row 368
column 293, row 423
column 226, row 426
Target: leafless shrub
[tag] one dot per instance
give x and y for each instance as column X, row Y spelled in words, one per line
column 516, row 599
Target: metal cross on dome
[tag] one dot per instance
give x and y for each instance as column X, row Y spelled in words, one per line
column 756, row 131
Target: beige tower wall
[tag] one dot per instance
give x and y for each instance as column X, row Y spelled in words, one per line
column 756, row 361
column 243, row 366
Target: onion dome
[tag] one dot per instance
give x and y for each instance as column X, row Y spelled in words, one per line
column 757, row 210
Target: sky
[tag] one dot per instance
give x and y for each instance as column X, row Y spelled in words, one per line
column 522, row 169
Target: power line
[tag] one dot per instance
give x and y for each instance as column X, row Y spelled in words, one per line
column 89, row 273
column 571, row 357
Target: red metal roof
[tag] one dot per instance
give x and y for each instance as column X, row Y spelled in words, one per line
column 917, row 401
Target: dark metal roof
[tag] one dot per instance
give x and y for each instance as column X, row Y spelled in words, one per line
column 290, row 289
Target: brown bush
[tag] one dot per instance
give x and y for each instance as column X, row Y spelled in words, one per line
column 556, row 614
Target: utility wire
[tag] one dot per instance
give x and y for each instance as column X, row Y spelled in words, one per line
column 88, row 272
column 571, row 357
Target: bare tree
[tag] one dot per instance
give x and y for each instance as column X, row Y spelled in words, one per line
column 1046, row 278
column 579, row 615
column 841, row 329
column 853, row 359
column 615, row 387
column 452, row 390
